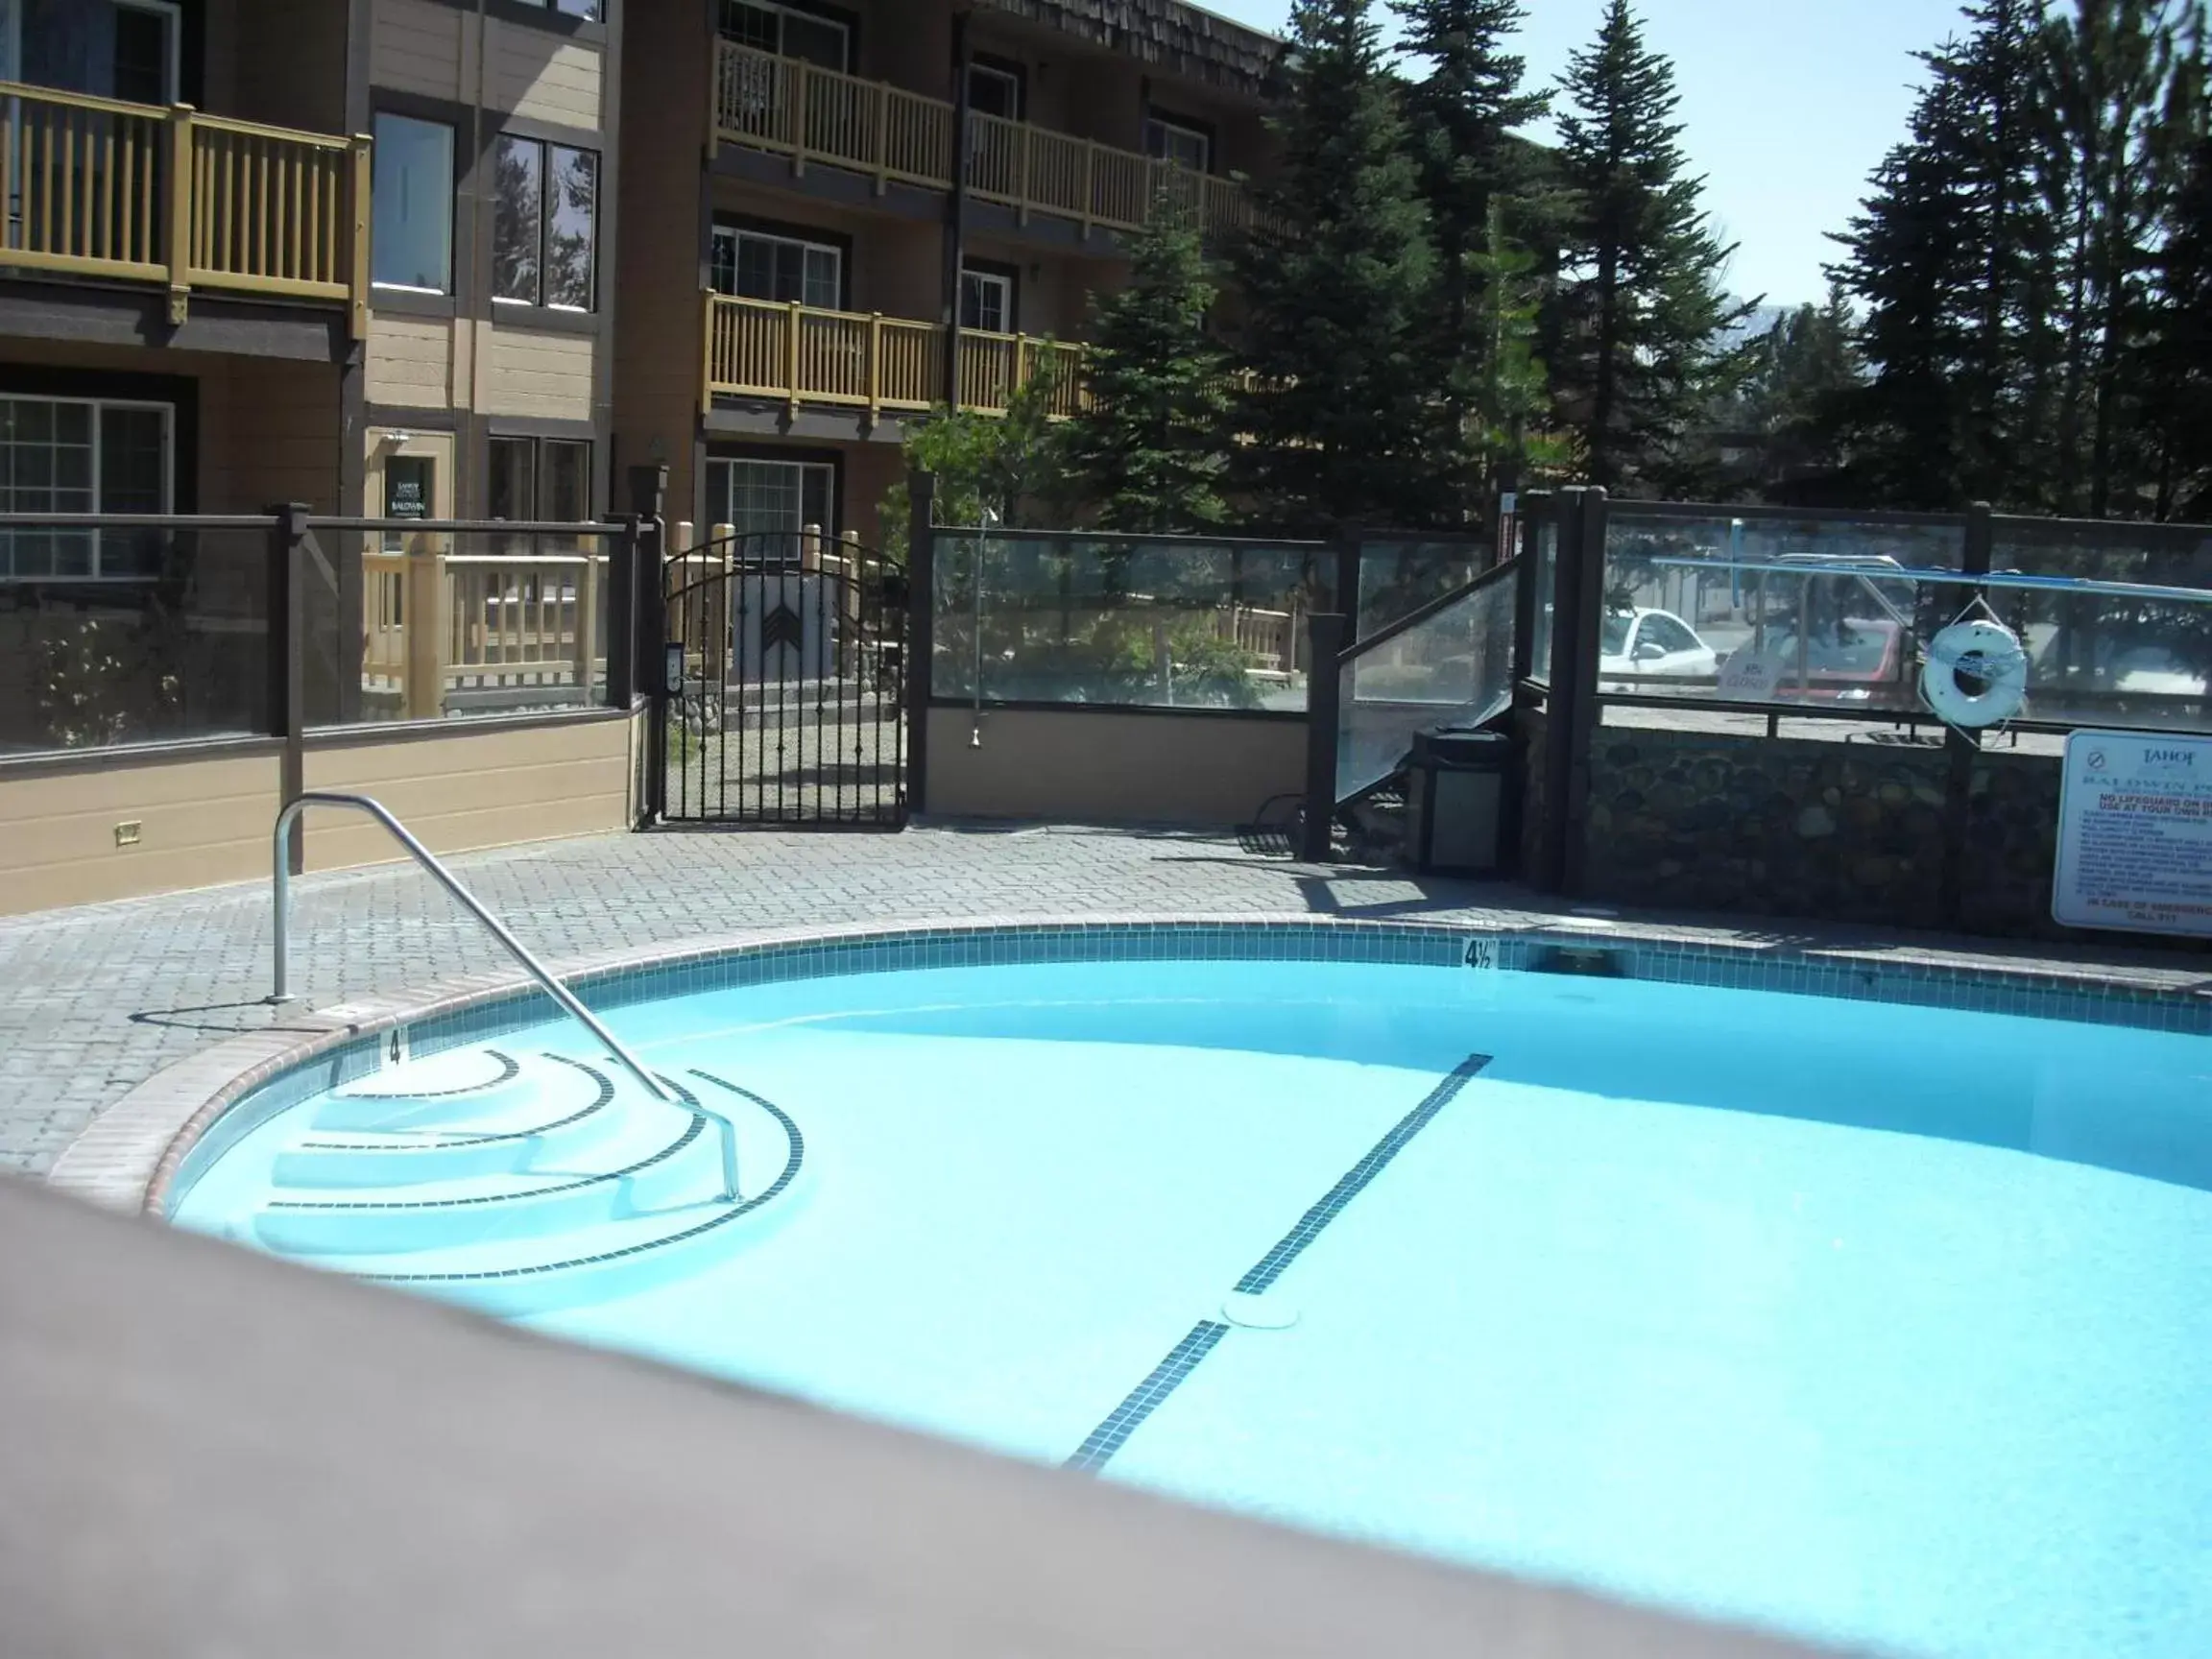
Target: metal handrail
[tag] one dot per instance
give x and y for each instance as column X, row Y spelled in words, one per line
column 468, row 902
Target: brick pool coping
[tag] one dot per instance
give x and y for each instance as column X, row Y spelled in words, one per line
column 129, row 1157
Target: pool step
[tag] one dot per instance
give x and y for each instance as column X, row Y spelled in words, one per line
column 562, row 1129
column 534, row 1184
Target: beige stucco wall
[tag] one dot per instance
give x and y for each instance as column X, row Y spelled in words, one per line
column 1089, row 766
column 473, row 790
column 200, row 822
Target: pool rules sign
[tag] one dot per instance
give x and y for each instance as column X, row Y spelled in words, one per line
column 2135, row 833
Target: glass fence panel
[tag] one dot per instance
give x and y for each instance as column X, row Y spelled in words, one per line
column 1780, row 610
column 1398, row 577
column 1454, row 670
column 458, row 626
column 1121, row 623
column 116, row 637
column 2110, row 659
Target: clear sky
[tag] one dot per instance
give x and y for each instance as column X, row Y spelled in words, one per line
column 1788, row 104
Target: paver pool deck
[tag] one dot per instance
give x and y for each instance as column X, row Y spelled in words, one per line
column 95, row 1000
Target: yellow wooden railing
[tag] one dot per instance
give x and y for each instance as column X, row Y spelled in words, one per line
column 94, row 187
column 434, row 623
column 792, row 107
column 799, row 354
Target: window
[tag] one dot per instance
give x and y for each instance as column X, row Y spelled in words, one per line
column 995, row 89
column 987, row 300
column 548, row 479
column 788, row 32
column 772, row 499
column 411, row 246
column 124, row 49
column 544, row 213
column 588, row 11
column 1186, row 146
column 758, row 265
column 82, row 455
column 1667, row 634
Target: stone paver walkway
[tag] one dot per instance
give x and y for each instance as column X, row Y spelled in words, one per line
column 95, row 1000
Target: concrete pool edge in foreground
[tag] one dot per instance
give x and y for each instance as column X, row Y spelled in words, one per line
column 131, row 1156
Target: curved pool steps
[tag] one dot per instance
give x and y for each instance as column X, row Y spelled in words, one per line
column 563, row 1129
column 541, row 1183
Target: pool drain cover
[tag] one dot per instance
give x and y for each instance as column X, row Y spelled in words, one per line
column 1261, row 1313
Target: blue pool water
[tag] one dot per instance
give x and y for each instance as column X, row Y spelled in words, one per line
column 1878, row 1324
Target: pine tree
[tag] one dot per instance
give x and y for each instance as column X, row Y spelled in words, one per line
column 1150, row 445
column 1462, row 118
column 1802, row 366
column 1337, row 276
column 1635, row 343
column 1950, row 262
column 2175, row 364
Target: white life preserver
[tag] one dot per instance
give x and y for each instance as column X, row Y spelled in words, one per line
column 1991, row 653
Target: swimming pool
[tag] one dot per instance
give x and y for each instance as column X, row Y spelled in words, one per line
column 1878, row 1324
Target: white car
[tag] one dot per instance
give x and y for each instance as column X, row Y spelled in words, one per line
column 1653, row 643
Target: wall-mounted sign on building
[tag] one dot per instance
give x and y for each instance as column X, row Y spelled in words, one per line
column 2135, row 833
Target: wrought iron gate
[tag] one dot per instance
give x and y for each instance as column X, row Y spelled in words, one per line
column 792, row 709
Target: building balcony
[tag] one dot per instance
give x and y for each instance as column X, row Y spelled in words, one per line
column 788, row 107
column 172, row 196
column 797, row 355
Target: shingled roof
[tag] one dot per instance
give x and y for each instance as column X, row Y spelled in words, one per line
column 1181, row 38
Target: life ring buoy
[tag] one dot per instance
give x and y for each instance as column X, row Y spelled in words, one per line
column 1988, row 651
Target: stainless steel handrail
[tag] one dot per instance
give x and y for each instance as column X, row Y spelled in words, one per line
column 281, row 864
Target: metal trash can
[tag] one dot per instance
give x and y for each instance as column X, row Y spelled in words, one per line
column 1455, row 800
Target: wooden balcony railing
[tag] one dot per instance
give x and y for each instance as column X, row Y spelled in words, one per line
column 792, row 107
column 761, row 348
column 98, row 188
column 435, row 624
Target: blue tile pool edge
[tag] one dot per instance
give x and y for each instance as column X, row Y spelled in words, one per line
column 2034, row 991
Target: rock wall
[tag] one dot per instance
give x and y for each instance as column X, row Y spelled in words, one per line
column 1707, row 821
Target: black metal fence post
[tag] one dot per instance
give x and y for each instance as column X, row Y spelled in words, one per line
column 1324, row 642
column 1351, row 539
column 1533, row 513
column 287, row 664
column 1589, row 629
column 921, row 631
column 648, row 498
column 1960, row 749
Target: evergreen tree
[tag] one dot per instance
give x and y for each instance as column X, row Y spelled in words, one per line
column 1950, row 261
column 1635, row 344
column 2109, row 69
column 1150, row 443
column 1801, row 366
column 2174, row 366
column 1336, row 275
column 1462, row 118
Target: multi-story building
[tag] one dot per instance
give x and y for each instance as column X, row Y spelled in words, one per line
column 467, row 257
column 804, row 264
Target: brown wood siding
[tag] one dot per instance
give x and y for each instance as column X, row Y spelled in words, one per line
column 657, row 343
column 416, row 46
column 292, row 63
column 282, row 437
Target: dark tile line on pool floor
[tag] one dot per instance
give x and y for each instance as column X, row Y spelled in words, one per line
column 1126, row 1419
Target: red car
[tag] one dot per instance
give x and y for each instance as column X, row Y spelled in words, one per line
column 1859, row 660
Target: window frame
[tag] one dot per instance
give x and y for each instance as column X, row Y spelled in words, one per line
column 1008, row 280
column 718, row 503
column 453, row 201
column 545, row 149
column 801, row 236
column 1015, row 74
column 845, row 24
column 171, row 12
column 97, row 541
column 538, row 446
column 1187, row 126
